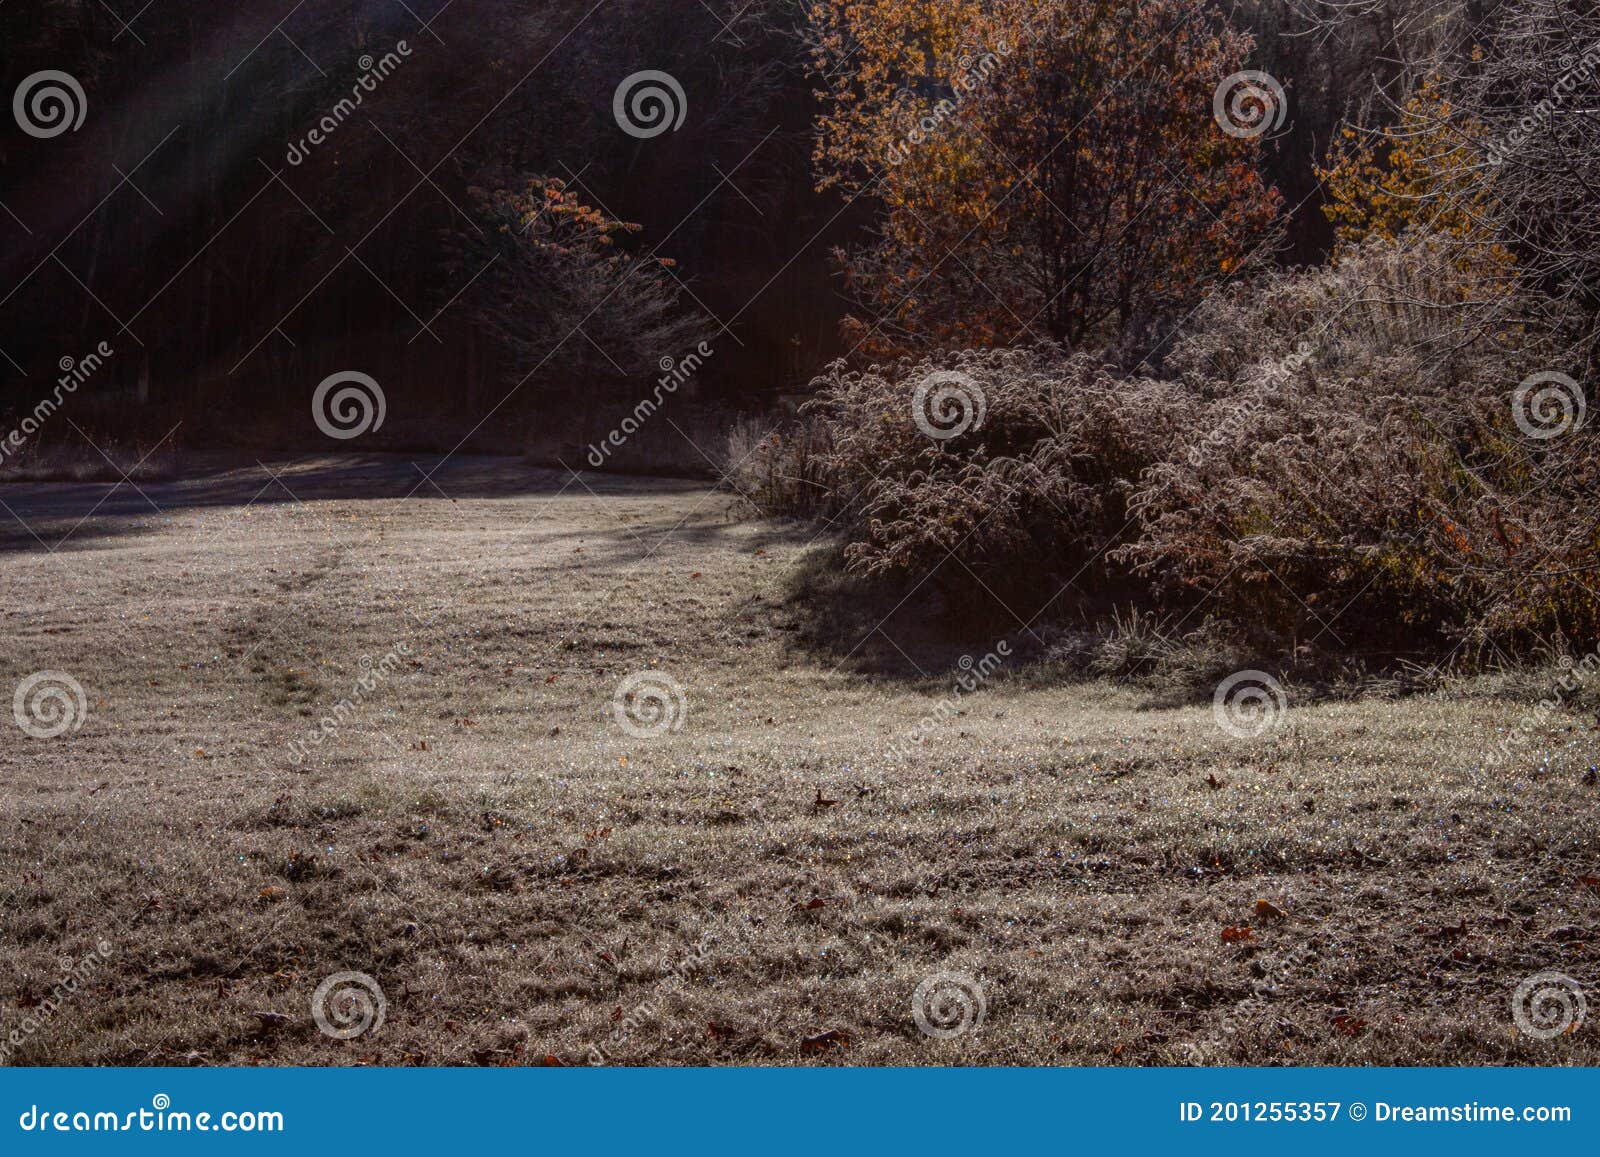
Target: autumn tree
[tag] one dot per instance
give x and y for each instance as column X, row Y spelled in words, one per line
column 1428, row 169
column 1044, row 168
column 564, row 299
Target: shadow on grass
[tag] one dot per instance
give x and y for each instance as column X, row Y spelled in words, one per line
column 46, row 515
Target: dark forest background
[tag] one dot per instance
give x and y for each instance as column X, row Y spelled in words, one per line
column 229, row 282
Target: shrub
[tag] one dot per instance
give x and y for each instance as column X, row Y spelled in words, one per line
column 1034, row 488
column 1345, row 448
column 776, row 465
column 1368, row 473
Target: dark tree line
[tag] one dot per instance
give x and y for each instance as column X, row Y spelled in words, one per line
column 229, row 281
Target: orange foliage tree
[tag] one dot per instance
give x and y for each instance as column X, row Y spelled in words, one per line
column 1044, row 168
column 1431, row 169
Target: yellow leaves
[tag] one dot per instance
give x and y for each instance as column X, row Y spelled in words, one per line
column 1426, row 169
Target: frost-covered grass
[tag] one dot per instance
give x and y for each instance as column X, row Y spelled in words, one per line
column 524, row 879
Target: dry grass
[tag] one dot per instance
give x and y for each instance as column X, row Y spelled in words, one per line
column 524, row 879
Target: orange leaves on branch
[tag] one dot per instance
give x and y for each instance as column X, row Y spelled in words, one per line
column 1036, row 176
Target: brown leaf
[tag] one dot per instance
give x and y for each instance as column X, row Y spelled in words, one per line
column 551, row 1062
column 1236, row 935
column 823, row 1041
column 272, row 893
column 1215, row 783
column 1349, row 1025
column 1267, row 910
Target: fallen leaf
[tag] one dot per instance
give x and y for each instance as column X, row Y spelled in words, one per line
column 1215, row 783
column 1349, row 1025
column 1236, row 935
column 1267, row 910
column 823, row 1041
column 272, row 893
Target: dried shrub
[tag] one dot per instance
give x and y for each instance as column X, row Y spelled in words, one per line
column 1335, row 454
column 776, row 465
column 1364, row 473
column 1021, row 499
